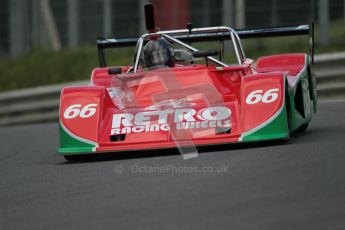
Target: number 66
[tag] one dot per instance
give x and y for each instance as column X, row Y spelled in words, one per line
column 268, row 97
column 75, row 110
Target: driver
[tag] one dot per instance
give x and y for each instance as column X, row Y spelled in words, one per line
column 159, row 52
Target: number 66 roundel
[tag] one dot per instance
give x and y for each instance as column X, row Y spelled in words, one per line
column 80, row 111
column 263, row 97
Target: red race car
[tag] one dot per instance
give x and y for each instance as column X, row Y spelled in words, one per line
column 175, row 95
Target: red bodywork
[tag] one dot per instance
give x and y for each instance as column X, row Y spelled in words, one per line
column 207, row 89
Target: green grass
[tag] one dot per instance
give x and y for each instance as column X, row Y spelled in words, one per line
column 43, row 67
column 46, row 67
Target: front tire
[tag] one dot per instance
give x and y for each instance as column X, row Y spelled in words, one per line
column 303, row 128
column 75, row 158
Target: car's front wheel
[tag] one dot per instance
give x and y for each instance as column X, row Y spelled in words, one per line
column 78, row 157
column 303, row 128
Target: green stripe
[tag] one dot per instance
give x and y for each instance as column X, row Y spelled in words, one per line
column 70, row 145
column 276, row 129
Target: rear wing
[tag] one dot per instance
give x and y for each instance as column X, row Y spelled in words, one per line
column 202, row 35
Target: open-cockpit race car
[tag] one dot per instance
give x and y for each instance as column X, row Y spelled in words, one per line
column 175, row 95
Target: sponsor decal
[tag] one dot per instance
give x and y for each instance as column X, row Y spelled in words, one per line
column 165, row 120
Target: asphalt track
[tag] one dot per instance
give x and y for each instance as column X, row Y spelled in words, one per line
column 298, row 184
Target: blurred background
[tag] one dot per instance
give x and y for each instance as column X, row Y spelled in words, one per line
column 46, row 42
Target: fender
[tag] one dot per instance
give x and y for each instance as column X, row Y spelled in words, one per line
column 81, row 113
column 293, row 64
column 296, row 66
column 263, row 109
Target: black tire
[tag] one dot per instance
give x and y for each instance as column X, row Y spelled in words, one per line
column 303, row 128
column 75, row 158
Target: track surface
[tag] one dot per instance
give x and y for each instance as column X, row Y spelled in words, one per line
column 295, row 185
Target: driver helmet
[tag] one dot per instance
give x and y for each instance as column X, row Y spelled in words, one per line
column 158, row 52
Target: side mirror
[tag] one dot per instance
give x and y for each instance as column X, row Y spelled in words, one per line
column 205, row 53
column 114, row 71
